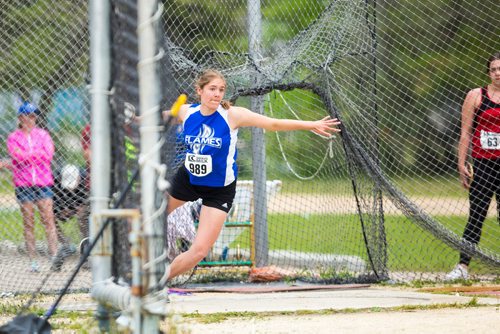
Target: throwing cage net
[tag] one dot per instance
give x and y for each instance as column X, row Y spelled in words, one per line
column 379, row 201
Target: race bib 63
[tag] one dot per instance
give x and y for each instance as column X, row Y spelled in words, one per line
column 490, row 140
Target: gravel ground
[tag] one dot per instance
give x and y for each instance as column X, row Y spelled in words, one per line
column 317, row 312
column 15, row 275
column 483, row 320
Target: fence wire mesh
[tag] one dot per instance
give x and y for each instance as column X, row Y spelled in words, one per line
column 44, row 60
column 380, row 201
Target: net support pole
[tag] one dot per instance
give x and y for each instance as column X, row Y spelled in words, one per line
column 258, row 143
column 100, row 67
column 149, row 16
column 124, row 298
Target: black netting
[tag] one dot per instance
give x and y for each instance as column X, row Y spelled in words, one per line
column 381, row 200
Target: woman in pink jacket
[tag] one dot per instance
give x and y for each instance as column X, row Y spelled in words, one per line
column 31, row 150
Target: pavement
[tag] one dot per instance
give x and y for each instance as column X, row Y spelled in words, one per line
column 335, row 309
column 356, row 298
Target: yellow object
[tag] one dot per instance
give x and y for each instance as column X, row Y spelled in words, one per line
column 177, row 105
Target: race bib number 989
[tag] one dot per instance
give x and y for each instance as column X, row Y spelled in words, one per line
column 490, row 140
column 198, row 164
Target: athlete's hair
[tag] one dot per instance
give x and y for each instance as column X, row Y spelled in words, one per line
column 495, row 56
column 208, row 75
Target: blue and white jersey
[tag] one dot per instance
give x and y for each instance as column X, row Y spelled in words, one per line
column 211, row 148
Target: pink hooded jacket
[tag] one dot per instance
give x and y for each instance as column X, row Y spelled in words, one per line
column 31, row 158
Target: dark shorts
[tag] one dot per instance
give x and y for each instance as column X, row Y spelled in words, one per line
column 215, row 197
column 33, row 194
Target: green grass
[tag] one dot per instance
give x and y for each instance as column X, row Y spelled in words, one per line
column 6, row 186
column 409, row 247
column 12, row 229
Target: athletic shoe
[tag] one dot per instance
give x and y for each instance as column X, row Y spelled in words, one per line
column 34, row 268
column 459, row 272
column 67, row 250
column 84, row 245
column 57, row 261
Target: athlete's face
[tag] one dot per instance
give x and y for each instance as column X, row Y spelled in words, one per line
column 495, row 71
column 212, row 93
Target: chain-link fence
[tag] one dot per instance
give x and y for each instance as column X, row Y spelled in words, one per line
column 45, row 56
column 380, row 201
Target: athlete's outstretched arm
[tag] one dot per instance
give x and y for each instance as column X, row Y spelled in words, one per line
column 242, row 117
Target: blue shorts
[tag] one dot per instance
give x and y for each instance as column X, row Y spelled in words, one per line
column 33, row 194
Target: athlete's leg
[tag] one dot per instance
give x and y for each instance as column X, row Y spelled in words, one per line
column 496, row 168
column 82, row 215
column 480, row 196
column 45, row 206
column 210, row 225
column 28, row 213
column 173, row 203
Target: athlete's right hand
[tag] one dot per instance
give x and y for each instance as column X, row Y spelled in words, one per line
column 465, row 172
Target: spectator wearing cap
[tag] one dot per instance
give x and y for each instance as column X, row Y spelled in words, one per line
column 31, row 150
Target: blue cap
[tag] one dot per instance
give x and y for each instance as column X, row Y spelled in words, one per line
column 27, row 108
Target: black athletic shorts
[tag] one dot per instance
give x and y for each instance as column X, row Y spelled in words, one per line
column 215, row 197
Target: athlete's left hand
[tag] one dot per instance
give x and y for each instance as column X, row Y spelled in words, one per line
column 326, row 126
